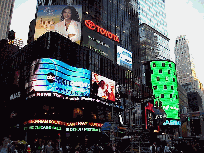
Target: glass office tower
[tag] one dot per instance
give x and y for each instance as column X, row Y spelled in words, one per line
column 153, row 30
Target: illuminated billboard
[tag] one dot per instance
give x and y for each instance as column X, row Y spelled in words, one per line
column 165, row 87
column 104, row 86
column 58, row 77
column 124, row 57
column 98, row 43
column 64, row 19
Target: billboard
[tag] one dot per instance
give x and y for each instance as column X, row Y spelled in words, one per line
column 64, row 19
column 165, row 87
column 51, row 75
column 104, row 87
column 124, row 57
column 98, row 43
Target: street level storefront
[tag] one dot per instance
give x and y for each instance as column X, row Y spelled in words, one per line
column 40, row 132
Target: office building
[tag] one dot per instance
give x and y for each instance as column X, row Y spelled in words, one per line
column 154, row 37
column 6, row 7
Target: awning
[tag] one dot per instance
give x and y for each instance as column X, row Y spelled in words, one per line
column 160, row 115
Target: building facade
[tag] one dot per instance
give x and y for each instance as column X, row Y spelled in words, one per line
column 152, row 13
column 54, row 54
column 5, row 15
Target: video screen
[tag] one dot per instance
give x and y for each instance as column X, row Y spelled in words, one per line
column 64, row 19
column 103, row 87
column 52, row 75
column 124, row 57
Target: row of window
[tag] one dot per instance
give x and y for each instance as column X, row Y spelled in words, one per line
column 165, row 87
column 163, row 65
column 158, row 79
column 171, row 96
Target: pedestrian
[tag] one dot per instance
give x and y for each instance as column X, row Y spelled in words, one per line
column 12, row 147
column 49, row 148
column 167, row 149
column 153, row 148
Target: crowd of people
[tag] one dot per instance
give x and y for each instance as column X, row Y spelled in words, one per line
column 181, row 147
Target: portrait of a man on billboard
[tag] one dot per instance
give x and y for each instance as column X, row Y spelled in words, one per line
column 63, row 19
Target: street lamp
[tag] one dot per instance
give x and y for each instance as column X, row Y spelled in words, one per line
column 123, row 103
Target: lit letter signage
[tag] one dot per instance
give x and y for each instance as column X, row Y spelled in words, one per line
column 83, row 129
column 100, row 30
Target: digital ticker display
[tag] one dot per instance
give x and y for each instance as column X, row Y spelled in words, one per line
column 51, row 75
column 165, row 87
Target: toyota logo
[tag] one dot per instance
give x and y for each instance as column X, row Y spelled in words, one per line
column 90, row 24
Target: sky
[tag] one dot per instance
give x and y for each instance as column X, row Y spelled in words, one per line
column 183, row 17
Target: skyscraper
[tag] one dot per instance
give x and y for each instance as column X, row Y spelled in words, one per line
column 186, row 74
column 6, row 7
column 152, row 13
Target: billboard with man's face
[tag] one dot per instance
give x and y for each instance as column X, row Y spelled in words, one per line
column 64, row 19
column 104, row 86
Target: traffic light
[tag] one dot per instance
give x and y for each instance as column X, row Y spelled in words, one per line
column 156, row 104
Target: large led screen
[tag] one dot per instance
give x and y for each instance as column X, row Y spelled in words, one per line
column 105, row 87
column 64, row 19
column 56, row 76
column 124, row 57
column 165, row 87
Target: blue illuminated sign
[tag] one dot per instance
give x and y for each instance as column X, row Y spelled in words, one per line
column 56, row 76
column 124, row 57
column 172, row 122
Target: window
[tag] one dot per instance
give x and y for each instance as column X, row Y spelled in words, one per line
column 163, row 64
column 170, row 95
column 165, row 87
column 166, row 78
column 160, row 71
column 158, row 79
column 169, row 65
column 155, row 87
column 162, row 95
column 176, row 96
column 168, row 71
column 172, row 87
column 154, row 65
column 173, row 79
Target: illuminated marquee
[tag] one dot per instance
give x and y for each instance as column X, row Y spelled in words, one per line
column 43, row 127
column 102, row 31
column 172, row 122
column 64, row 123
column 83, row 129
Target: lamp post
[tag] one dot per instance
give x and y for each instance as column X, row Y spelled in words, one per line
column 123, row 103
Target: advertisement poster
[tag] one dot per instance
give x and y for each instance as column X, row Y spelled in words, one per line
column 52, row 75
column 105, row 87
column 98, row 43
column 64, row 19
column 124, row 57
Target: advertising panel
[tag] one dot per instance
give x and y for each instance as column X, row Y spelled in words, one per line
column 165, row 87
column 104, row 86
column 98, row 43
column 64, row 19
column 58, row 77
column 124, row 57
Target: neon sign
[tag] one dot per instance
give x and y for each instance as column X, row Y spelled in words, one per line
column 172, row 122
column 43, row 127
column 64, row 123
column 83, row 129
column 100, row 30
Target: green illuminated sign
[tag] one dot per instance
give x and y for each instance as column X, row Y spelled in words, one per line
column 83, row 129
column 43, row 127
column 165, row 87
